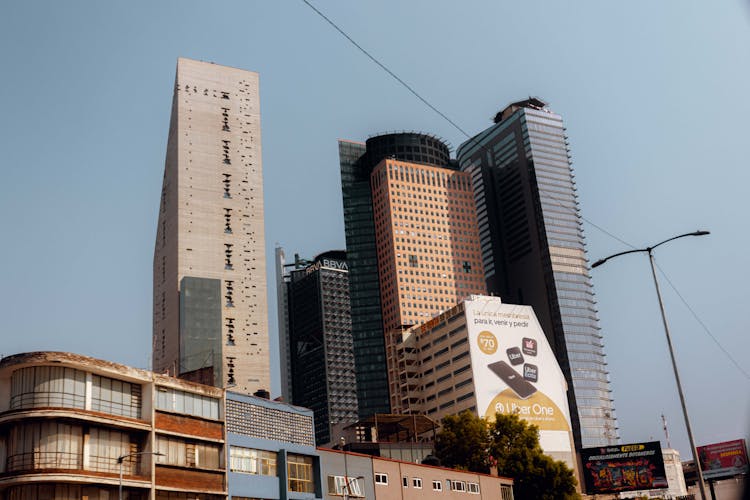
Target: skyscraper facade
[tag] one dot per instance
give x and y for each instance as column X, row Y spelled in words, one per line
column 210, row 312
column 319, row 346
column 427, row 240
column 412, row 245
column 534, row 253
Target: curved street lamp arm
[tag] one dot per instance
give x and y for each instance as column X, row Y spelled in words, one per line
column 605, row 259
column 647, row 249
column 694, row 233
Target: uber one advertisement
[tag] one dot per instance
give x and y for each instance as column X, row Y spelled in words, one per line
column 516, row 372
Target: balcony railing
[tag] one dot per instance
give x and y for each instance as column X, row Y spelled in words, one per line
column 21, row 462
column 44, row 460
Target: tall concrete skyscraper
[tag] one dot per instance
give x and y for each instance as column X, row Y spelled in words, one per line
column 210, row 319
column 534, row 253
column 412, row 245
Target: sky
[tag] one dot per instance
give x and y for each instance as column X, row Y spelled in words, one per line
column 653, row 95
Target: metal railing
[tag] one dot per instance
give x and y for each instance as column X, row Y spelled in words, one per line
column 39, row 460
column 44, row 460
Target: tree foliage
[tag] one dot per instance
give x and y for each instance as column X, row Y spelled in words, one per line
column 469, row 442
column 463, row 443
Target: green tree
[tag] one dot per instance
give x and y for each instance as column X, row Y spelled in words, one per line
column 470, row 443
column 514, row 446
column 463, row 442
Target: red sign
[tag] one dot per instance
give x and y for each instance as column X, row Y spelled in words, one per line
column 723, row 459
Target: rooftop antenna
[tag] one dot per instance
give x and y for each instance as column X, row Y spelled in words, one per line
column 666, row 431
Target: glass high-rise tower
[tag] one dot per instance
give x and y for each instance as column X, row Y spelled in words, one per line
column 534, row 253
column 317, row 325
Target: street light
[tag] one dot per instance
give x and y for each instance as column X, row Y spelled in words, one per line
column 346, row 469
column 121, row 458
column 649, row 251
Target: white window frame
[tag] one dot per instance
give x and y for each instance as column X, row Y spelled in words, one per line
column 381, row 478
column 437, row 486
column 405, row 481
column 457, row 485
column 417, row 482
column 473, row 488
column 340, row 484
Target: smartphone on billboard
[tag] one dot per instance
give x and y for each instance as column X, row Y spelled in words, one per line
column 513, row 379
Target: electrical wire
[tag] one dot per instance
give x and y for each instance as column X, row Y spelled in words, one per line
column 547, row 193
column 446, row 118
column 705, row 328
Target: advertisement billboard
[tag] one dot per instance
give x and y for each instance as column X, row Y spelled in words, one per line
column 723, row 459
column 516, row 372
column 627, row 467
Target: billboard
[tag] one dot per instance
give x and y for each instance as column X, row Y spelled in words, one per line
column 627, row 467
column 516, row 372
column 723, row 459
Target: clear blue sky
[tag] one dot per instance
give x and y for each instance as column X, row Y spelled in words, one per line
column 654, row 95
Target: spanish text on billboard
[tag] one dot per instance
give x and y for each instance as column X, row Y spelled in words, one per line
column 516, row 372
column 628, row 467
column 723, row 459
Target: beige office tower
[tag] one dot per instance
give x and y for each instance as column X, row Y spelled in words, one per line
column 210, row 306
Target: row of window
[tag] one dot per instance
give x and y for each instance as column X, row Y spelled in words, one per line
column 175, row 400
column 381, row 478
column 264, row 463
column 56, row 445
column 56, row 386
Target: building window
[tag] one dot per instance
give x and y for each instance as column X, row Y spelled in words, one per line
column 50, row 386
column 506, row 492
column 227, row 218
column 65, row 491
column 473, row 488
column 456, row 485
column 177, row 401
column 381, row 478
column 106, row 446
column 174, row 451
column 229, row 295
column 437, row 486
column 44, row 445
column 207, row 455
column 417, row 482
column 227, row 185
column 228, row 255
column 115, row 397
column 252, row 461
column 338, row 485
column 300, row 468
column 405, row 481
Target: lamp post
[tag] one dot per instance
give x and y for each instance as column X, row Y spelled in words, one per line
column 121, row 458
column 649, row 251
column 346, row 469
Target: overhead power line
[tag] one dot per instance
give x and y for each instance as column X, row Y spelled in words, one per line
column 700, row 321
column 427, row 103
column 443, row 115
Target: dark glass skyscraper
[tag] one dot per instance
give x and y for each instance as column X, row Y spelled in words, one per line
column 534, row 253
column 318, row 323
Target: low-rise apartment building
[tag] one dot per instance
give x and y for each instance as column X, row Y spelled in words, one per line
column 353, row 475
column 272, row 451
column 75, row 427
